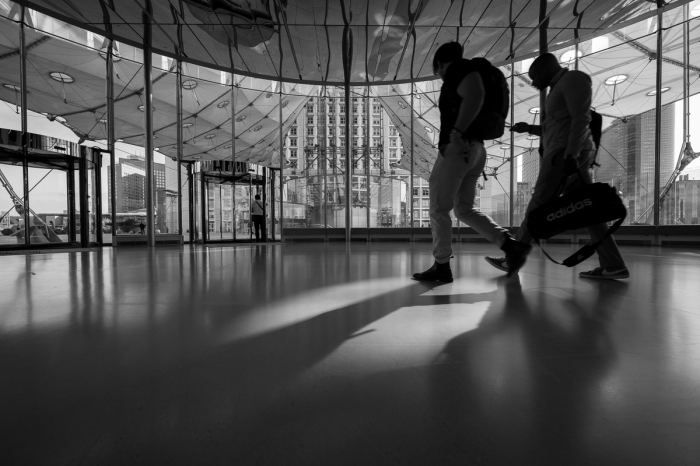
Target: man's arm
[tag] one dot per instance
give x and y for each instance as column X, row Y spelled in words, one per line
column 522, row 127
column 577, row 96
column 472, row 92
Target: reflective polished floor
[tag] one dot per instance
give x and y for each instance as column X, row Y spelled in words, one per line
column 327, row 354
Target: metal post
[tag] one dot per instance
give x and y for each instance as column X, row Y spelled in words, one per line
column 111, row 140
column 544, row 48
column 282, row 158
column 97, row 195
column 657, row 135
column 178, row 99
column 204, row 204
column 25, row 128
column 148, row 124
column 272, row 204
column 233, row 157
column 412, row 166
column 368, row 153
column 190, row 198
column 233, row 153
column 84, row 206
column 72, row 216
column 511, row 219
column 264, row 202
column 250, row 203
column 686, row 76
column 348, row 166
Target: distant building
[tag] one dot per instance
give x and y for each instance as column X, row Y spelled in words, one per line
column 626, row 159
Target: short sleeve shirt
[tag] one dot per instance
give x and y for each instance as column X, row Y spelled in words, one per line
column 449, row 99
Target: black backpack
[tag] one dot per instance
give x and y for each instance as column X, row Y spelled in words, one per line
column 490, row 123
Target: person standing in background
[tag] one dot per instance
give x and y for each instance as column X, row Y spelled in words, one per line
column 258, row 218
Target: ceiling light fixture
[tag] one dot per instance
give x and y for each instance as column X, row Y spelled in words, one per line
column 61, row 77
column 569, row 57
column 534, row 110
column 429, row 129
column 210, row 136
column 615, row 80
column 663, row 89
column 12, row 87
column 532, row 138
column 189, row 84
column 187, row 125
column 223, row 104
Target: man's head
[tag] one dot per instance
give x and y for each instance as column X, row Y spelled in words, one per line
column 444, row 55
column 543, row 69
column 257, row 197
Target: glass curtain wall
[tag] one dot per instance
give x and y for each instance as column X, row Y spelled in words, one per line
column 11, row 161
column 392, row 138
column 680, row 192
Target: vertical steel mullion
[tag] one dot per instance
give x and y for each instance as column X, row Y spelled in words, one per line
column 657, row 135
column 191, row 214
column 148, row 124
column 412, row 166
column 348, row 166
column 25, row 128
column 686, row 75
column 97, row 195
column 233, row 155
column 511, row 219
column 178, row 99
column 204, row 204
column 281, row 162
column 111, row 139
column 368, row 161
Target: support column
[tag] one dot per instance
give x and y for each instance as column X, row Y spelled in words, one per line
column 657, row 135
column 178, row 99
column 148, row 124
column 25, row 130
column 111, row 140
column 348, row 167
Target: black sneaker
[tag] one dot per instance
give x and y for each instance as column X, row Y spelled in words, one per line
column 516, row 255
column 606, row 273
column 498, row 262
column 436, row 273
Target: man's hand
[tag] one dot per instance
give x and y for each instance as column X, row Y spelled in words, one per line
column 457, row 140
column 520, row 127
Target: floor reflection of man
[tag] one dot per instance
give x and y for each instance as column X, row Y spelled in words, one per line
column 528, row 375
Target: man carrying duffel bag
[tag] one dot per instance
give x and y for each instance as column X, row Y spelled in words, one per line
column 569, row 151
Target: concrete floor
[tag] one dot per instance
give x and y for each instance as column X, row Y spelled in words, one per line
column 320, row 354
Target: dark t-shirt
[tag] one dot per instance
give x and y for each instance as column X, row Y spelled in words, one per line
column 449, row 99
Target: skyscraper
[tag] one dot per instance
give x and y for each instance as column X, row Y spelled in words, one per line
column 626, row 159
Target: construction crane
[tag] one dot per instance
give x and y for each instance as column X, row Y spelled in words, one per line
column 49, row 237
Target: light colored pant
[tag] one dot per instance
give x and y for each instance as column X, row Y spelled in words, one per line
column 453, row 185
column 548, row 186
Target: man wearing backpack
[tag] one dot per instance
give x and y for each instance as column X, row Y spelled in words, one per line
column 471, row 110
column 569, row 150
